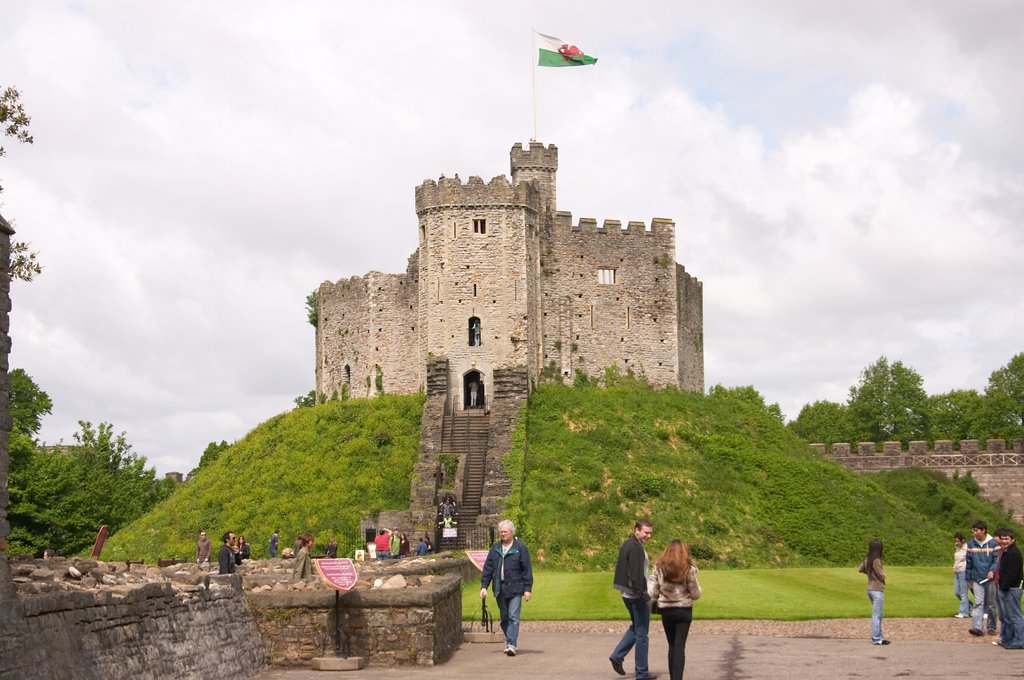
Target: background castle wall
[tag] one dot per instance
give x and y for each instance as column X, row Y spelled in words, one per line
column 631, row 323
column 690, row 331
column 366, row 322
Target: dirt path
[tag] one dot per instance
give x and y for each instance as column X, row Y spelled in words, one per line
column 943, row 630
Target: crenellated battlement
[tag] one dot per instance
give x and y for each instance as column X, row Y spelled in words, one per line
column 534, row 156
column 659, row 226
column 451, row 192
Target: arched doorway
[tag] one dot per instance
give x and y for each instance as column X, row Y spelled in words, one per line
column 473, row 390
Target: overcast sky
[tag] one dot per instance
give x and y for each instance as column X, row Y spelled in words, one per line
column 847, row 180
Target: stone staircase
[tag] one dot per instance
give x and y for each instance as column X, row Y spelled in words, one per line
column 466, row 433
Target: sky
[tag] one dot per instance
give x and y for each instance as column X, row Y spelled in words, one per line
column 846, row 178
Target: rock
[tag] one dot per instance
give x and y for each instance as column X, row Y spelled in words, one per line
column 74, row 573
column 42, row 575
column 377, row 583
column 394, row 583
column 108, row 580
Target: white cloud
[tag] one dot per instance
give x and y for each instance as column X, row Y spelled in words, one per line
column 846, row 181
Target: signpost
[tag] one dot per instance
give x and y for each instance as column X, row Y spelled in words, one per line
column 97, row 547
column 339, row 574
column 477, row 557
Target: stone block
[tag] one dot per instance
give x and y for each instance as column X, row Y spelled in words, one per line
column 918, row 448
column 841, row 449
column 821, row 449
column 866, row 449
column 337, row 663
column 968, row 446
column 943, row 446
column 891, row 448
column 995, row 445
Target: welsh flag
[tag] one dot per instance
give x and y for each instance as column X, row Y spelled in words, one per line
column 558, row 52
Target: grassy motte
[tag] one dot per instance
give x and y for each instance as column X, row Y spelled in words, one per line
column 316, row 468
column 721, row 473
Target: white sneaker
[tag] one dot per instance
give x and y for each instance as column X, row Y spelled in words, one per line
column 510, row 651
column 960, row 616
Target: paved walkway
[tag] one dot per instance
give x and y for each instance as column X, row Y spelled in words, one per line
column 575, row 656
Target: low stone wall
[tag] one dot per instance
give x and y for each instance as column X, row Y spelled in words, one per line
column 417, row 621
column 106, row 623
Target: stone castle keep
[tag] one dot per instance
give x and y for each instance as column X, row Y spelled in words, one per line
column 504, row 281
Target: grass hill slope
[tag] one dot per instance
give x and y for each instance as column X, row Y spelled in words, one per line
column 719, row 472
column 317, row 469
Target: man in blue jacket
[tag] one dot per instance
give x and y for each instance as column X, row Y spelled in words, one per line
column 509, row 568
column 982, row 554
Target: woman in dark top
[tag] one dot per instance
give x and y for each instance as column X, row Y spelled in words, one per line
column 332, row 548
column 403, row 545
column 243, row 550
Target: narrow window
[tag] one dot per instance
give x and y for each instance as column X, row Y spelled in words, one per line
column 606, row 276
column 627, row 318
column 480, row 226
column 474, row 331
column 474, row 290
column 591, row 316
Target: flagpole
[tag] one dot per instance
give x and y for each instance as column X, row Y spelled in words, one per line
column 533, row 62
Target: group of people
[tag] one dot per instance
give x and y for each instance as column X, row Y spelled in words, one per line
column 990, row 569
column 669, row 588
column 233, row 551
column 393, row 544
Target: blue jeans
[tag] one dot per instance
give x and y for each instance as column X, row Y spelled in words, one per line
column 509, row 609
column 984, row 603
column 877, row 598
column 636, row 635
column 1012, row 633
column 960, row 590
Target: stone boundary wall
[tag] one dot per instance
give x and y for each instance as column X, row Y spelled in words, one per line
column 153, row 630
column 997, row 469
column 920, row 448
column 419, row 626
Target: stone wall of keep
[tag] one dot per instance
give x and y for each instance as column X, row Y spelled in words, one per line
column 419, row 626
column 474, row 259
column 143, row 631
column 365, row 323
column 690, row 298
column 631, row 323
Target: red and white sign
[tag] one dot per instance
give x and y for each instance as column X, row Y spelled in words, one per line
column 339, row 574
column 477, row 557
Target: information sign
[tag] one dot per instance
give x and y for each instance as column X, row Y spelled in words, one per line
column 339, row 573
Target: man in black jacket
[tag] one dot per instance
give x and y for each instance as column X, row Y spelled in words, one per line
column 631, row 572
column 1010, row 581
column 226, row 556
column 509, row 568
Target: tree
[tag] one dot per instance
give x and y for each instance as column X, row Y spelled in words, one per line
column 13, row 118
column 27, row 404
column 955, row 415
column 14, row 122
column 823, row 422
column 1003, row 408
column 889, row 404
column 748, row 394
column 65, row 493
column 312, row 309
column 212, row 453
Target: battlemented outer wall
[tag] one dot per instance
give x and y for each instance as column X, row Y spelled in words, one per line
column 464, row 273
column 690, row 332
column 367, row 322
column 630, row 323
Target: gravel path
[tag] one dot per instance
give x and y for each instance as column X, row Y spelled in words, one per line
column 943, row 630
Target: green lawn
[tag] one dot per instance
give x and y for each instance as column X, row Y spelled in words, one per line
column 779, row 594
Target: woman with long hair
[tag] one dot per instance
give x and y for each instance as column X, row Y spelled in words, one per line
column 303, row 568
column 872, row 567
column 673, row 585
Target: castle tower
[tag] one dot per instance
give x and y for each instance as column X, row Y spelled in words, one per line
column 539, row 164
column 477, row 250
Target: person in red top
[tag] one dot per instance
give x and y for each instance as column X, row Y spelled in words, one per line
column 383, row 545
